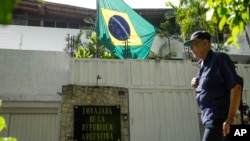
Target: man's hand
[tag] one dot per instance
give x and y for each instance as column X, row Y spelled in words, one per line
column 194, row 82
column 226, row 125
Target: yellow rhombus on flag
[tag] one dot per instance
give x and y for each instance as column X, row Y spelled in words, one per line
column 123, row 31
column 133, row 39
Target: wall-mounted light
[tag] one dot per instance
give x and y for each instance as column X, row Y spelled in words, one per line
column 97, row 78
column 125, row 117
column 59, row 93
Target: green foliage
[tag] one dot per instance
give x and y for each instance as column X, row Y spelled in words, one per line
column 88, row 48
column 91, row 22
column 2, row 126
column 152, row 55
column 230, row 12
column 83, row 53
column 2, row 123
column 191, row 16
column 42, row 1
column 169, row 26
column 2, row 120
column 6, row 8
column 8, row 139
column 168, row 29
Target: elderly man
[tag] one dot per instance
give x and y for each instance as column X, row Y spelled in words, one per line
column 217, row 87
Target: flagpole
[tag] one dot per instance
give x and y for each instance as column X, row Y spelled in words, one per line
column 126, row 48
column 96, row 30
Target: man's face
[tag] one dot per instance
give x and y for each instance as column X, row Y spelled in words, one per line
column 199, row 48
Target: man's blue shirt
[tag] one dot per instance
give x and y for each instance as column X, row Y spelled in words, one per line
column 217, row 76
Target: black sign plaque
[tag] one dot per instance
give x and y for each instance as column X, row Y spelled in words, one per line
column 97, row 123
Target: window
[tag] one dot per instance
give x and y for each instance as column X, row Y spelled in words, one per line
column 33, row 22
column 49, row 24
column 19, row 21
column 61, row 24
column 73, row 25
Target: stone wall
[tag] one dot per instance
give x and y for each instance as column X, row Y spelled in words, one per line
column 88, row 96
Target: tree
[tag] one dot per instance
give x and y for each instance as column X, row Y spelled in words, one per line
column 169, row 26
column 233, row 13
column 167, row 29
column 191, row 16
column 6, row 8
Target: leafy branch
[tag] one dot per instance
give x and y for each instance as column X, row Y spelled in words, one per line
column 2, row 126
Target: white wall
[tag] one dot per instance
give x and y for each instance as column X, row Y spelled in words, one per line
column 53, row 39
column 34, row 38
column 32, row 75
column 33, row 64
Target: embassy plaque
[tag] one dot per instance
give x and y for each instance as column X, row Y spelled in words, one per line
column 97, row 123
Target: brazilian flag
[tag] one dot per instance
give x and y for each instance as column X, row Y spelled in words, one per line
column 124, row 32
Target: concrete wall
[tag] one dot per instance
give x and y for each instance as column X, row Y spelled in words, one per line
column 32, row 75
column 53, row 39
column 34, row 38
